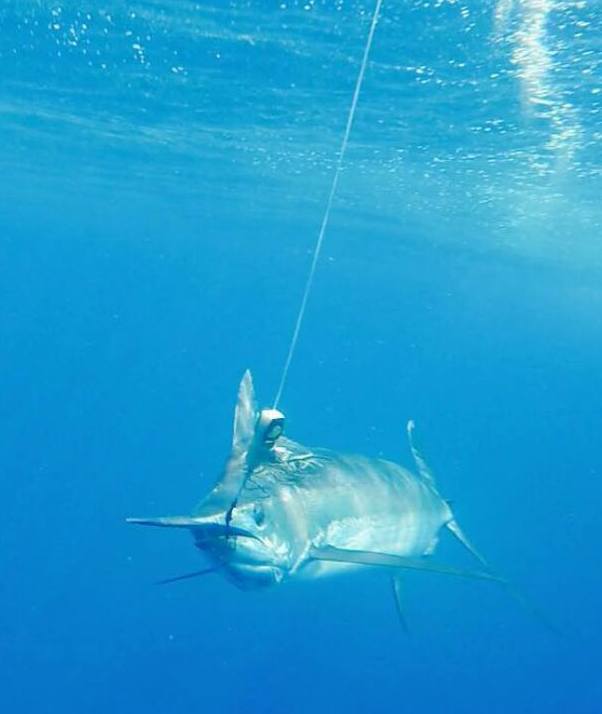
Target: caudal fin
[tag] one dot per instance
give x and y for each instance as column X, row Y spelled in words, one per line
column 453, row 527
column 424, row 470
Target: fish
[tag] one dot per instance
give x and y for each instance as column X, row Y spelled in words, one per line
column 283, row 511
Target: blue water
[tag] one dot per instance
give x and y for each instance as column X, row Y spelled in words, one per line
column 163, row 171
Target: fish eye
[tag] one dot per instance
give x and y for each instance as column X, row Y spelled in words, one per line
column 258, row 515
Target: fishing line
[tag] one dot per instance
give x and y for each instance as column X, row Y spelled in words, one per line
column 327, row 210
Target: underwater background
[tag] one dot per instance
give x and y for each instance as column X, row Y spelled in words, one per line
column 164, row 167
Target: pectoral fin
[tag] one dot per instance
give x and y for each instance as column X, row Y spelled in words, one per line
column 187, row 576
column 364, row 557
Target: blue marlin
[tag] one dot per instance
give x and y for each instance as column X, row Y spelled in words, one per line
column 282, row 510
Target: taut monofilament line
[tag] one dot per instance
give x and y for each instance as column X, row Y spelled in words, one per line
column 328, row 208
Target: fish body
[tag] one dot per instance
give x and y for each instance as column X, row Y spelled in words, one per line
column 304, row 499
column 282, row 510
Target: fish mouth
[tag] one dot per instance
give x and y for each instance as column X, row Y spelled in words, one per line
column 223, row 540
column 248, row 576
column 244, row 556
column 247, row 560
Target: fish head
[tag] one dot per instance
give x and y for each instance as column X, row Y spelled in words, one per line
column 240, row 531
column 248, row 550
column 252, row 552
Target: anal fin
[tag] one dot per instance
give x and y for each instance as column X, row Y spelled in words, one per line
column 397, row 587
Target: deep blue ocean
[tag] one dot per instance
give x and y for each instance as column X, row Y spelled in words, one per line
column 164, row 167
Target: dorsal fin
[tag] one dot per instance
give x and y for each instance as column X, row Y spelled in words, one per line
column 226, row 490
column 245, row 416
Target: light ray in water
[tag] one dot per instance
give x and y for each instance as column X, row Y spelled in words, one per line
column 534, row 57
